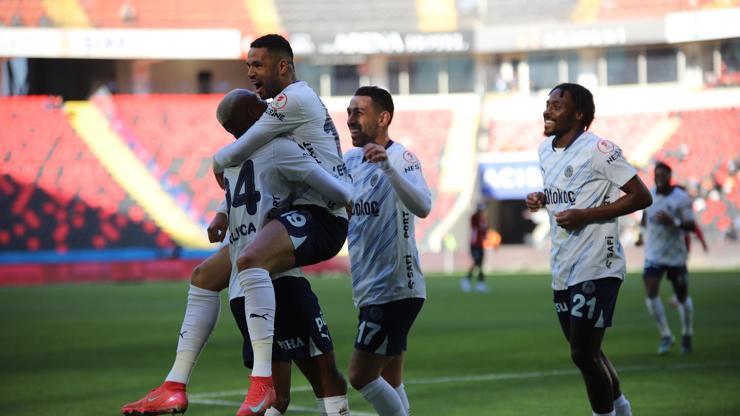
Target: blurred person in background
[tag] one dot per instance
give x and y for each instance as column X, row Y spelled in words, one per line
column 666, row 224
column 478, row 235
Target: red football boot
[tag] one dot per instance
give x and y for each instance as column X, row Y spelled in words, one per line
column 260, row 397
column 170, row 397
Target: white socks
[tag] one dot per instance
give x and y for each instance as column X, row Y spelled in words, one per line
column 383, row 397
column 655, row 307
column 686, row 312
column 259, row 305
column 273, row 412
column 605, row 414
column 201, row 314
column 622, row 406
column 401, row 391
column 332, row 406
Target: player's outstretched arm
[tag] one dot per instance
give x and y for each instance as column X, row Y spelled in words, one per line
column 238, row 152
column 333, row 189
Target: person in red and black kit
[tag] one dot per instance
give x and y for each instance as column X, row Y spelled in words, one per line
column 478, row 232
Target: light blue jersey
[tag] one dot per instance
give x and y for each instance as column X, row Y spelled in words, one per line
column 586, row 174
column 384, row 259
column 665, row 244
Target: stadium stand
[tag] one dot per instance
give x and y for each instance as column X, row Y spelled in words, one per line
column 190, row 14
column 175, row 136
column 22, row 13
column 512, row 11
column 336, row 16
column 59, row 196
column 638, row 9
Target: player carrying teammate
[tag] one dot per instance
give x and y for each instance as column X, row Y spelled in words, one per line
column 666, row 221
column 387, row 283
column 583, row 175
column 296, row 111
column 298, row 335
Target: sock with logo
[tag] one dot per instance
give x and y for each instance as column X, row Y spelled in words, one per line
column 333, row 406
column 273, row 412
column 401, row 390
column 259, row 307
column 622, row 406
column 383, row 397
column 605, row 414
column 686, row 312
column 655, row 307
column 201, row 314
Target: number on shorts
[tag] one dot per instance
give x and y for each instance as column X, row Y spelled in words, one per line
column 373, row 329
column 578, row 301
column 295, row 218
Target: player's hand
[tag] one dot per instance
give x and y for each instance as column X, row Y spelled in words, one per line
column 664, row 218
column 535, row 201
column 571, row 219
column 218, row 227
column 220, row 179
column 374, row 152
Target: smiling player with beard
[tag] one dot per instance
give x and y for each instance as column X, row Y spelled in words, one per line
column 583, row 175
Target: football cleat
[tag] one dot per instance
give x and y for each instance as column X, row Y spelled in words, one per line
column 169, row 398
column 481, row 287
column 665, row 344
column 686, row 346
column 260, row 397
column 465, row 284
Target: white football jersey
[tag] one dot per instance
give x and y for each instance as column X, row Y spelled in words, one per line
column 298, row 113
column 265, row 181
column 586, row 174
column 665, row 244
column 384, row 260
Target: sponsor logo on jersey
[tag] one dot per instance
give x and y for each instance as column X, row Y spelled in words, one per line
column 291, row 344
column 409, row 271
column 411, row 168
column 361, row 207
column 605, row 146
column 308, row 147
column 406, row 218
column 609, row 250
column 242, row 230
column 558, row 196
column 568, row 171
column 280, row 101
column 614, row 156
column 273, row 113
column 374, row 180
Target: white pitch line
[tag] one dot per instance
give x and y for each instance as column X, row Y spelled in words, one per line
column 204, row 398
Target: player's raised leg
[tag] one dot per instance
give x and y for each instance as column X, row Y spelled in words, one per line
column 201, row 314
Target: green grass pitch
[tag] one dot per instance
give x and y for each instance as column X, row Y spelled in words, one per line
column 86, row 349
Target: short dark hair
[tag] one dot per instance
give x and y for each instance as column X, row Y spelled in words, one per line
column 274, row 44
column 582, row 98
column 381, row 98
column 662, row 165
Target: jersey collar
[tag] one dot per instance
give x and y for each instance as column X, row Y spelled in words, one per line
column 552, row 143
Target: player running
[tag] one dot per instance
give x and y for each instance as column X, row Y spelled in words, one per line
column 301, row 333
column 387, row 284
column 582, row 175
column 666, row 222
column 298, row 112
